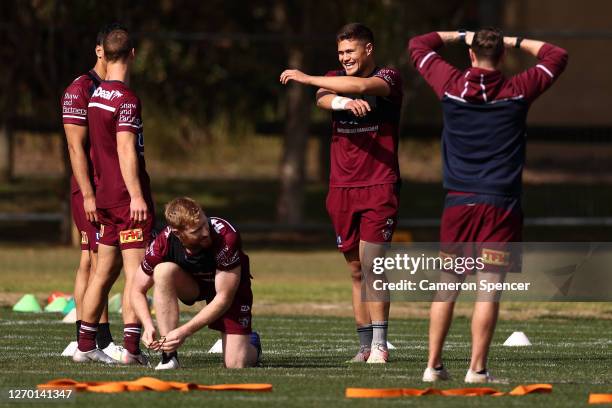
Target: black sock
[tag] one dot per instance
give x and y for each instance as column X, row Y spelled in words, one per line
column 78, row 328
column 365, row 336
column 104, row 336
column 168, row 356
column 483, row 371
column 440, row 367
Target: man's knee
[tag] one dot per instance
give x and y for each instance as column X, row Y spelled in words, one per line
column 165, row 273
column 355, row 270
column 236, row 362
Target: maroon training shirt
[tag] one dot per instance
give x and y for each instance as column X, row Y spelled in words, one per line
column 225, row 254
column 364, row 150
column 115, row 108
column 74, row 112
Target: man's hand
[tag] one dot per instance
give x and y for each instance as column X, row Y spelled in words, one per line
column 89, row 204
column 174, row 340
column 469, row 37
column 358, row 107
column 509, row 42
column 149, row 338
column 294, row 75
column 138, row 209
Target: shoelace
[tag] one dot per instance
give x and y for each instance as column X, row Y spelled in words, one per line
column 162, row 339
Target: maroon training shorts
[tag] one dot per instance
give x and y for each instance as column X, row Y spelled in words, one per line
column 89, row 232
column 490, row 222
column 363, row 214
column 237, row 319
column 117, row 229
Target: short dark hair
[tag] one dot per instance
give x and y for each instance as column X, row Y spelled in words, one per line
column 488, row 43
column 106, row 29
column 117, row 45
column 355, row 31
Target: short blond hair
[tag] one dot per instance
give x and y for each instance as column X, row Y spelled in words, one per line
column 183, row 212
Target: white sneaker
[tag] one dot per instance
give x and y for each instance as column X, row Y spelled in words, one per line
column 171, row 364
column 127, row 358
column 70, row 349
column 113, row 350
column 473, row 377
column 378, row 354
column 433, row 375
column 362, row 355
column 92, row 355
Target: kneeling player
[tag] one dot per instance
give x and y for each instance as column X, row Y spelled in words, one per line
column 197, row 258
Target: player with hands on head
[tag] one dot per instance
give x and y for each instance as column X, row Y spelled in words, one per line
column 483, row 154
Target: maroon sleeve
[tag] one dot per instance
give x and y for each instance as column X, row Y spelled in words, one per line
column 437, row 72
column 228, row 251
column 532, row 82
column 156, row 252
column 74, row 105
column 332, row 73
column 394, row 79
column 128, row 116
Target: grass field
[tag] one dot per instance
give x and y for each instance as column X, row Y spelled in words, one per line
column 304, row 360
column 302, row 312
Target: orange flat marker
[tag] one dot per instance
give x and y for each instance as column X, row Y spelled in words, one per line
column 455, row 392
column 147, row 384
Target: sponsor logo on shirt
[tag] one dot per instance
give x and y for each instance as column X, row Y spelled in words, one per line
column 225, row 259
column 108, row 95
column 386, row 234
column 364, row 129
column 151, row 249
column 76, row 111
column 244, row 308
column 493, row 257
column 217, row 225
column 244, row 322
column 133, row 235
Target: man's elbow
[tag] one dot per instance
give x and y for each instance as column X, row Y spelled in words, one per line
column 224, row 301
column 563, row 57
column 362, row 87
column 414, row 45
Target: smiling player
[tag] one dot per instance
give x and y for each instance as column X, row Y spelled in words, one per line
column 363, row 197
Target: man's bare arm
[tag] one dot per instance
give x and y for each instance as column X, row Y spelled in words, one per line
column 76, row 137
column 531, row 47
column 141, row 284
column 138, row 296
column 325, row 98
column 226, row 285
column 128, row 162
column 329, row 100
column 339, row 84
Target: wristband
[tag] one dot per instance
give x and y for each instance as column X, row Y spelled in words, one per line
column 462, row 36
column 518, row 42
column 339, row 102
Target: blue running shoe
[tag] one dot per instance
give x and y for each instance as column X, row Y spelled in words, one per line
column 256, row 342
